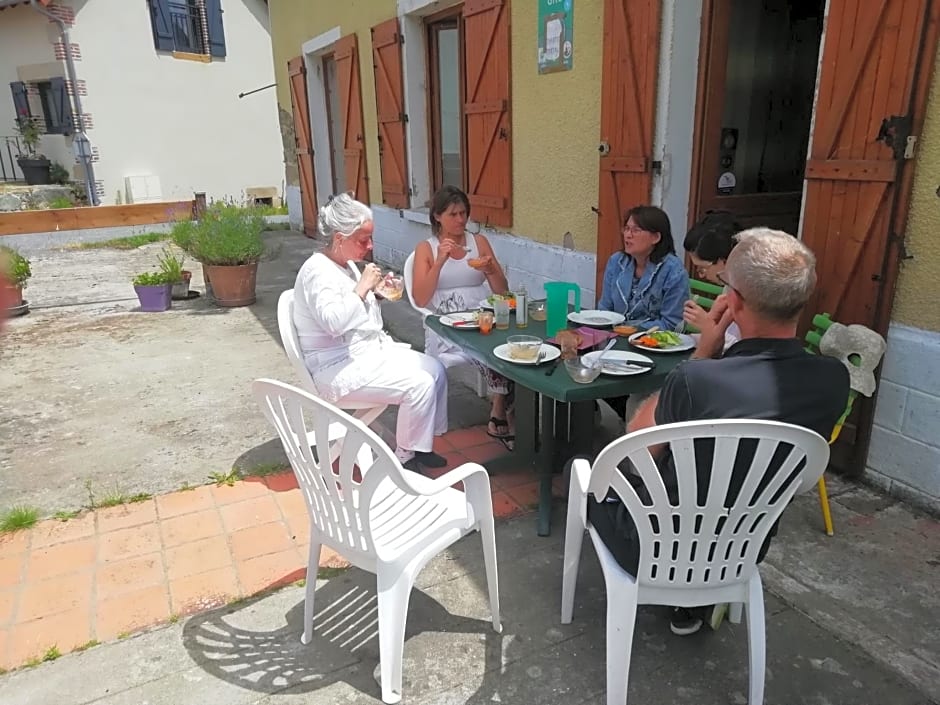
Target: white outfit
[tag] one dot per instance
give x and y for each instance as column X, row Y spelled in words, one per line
column 460, row 287
column 352, row 359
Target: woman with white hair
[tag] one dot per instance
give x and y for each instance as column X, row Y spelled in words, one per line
column 350, row 357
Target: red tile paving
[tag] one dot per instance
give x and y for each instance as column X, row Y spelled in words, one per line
column 110, row 572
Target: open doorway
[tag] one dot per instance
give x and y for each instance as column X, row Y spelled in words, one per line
column 757, row 79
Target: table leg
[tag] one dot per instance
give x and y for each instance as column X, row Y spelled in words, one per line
column 544, row 464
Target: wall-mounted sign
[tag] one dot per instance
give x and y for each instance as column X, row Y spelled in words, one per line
column 556, row 35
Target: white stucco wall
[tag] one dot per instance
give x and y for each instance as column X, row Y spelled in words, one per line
column 179, row 120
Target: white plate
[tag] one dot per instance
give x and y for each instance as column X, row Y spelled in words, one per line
column 502, row 352
column 688, row 343
column 618, row 356
column 595, row 318
column 467, row 320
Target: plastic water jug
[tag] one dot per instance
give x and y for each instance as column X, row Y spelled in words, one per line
column 556, row 305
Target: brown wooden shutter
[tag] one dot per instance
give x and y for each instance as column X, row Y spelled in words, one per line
column 350, row 107
column 874, row 51
column 390, row 112
column 303, row 142
column 486, row 110
column 628, row 113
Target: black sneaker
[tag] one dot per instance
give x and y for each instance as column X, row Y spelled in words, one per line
column 430, row 460
column 683, row 621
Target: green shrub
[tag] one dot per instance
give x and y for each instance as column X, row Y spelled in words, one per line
column 151, row 279
column 58, row 174
column 171, row 266
column 224, row 235
column 16, row 267
column 61, row 202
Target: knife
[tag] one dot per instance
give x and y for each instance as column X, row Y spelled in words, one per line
column 551, row 370
column 624, row 364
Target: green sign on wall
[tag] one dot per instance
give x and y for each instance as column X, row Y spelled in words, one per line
column 556, row 35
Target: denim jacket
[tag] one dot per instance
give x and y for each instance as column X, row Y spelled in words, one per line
column 656, row 300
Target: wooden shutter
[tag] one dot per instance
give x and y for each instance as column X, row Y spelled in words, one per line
column 628, row 113
column 20, row 99
column 346, row 56
column 297, row 72
column 486, row 110
column 62, row 104
column 216, row 30
column 873, row 53
column 160, row 23
column 390, row 112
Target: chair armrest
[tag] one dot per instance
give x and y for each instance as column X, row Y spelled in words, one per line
column 427, row 487
column 578, row 486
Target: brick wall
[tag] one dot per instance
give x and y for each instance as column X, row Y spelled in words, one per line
column 904, row 456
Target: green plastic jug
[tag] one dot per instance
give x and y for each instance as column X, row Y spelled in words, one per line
column 556, row 305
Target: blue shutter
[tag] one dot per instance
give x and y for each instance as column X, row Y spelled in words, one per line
column 216, row 31
column 20, row 101
column 62, row 104
column 162, row 28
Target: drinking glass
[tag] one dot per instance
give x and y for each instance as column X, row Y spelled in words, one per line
column 391, row 287
column 501, row 314
column 486, row 322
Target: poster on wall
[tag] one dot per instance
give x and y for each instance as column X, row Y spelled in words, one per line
column 556, row 35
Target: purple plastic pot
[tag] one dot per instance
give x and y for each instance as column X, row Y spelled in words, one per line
column 154, row 298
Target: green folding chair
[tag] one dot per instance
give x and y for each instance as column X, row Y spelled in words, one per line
column 821, row 323
column 704, row 293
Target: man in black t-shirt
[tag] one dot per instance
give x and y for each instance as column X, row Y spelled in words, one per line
column 769, row 277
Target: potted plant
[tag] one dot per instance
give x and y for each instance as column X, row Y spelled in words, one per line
column 227, row 241
column 15, row 272
column 172, row 268
column 34, row 165
column 153, row 291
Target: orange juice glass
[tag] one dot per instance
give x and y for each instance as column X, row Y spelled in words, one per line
column 486, row 322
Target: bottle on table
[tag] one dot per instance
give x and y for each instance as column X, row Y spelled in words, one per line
column 522, row 307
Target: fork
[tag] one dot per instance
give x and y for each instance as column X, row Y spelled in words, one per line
column 542, row 355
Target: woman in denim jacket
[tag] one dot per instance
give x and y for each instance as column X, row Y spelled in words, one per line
column 646, row 282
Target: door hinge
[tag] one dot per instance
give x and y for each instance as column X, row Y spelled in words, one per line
column 895, row 132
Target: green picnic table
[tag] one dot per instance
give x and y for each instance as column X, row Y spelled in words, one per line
column 547, row 434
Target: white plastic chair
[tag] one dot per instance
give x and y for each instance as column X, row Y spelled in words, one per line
column 447, row 359
column 690, row 555
column 384, row 519
column 365, row 412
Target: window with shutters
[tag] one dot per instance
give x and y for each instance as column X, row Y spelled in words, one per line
column 47, row 101
column 445, row 49
column 188, row 27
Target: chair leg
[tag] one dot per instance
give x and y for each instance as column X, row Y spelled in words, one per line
column 488, row 536
column 621, row 621
column 734, row 612
column 824, row 503
column 574, row 537
column 394, row 590
column 756, row 641
column 313, row 564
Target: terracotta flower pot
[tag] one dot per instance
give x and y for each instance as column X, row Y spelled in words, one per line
column 12, row 296
column 232, row 285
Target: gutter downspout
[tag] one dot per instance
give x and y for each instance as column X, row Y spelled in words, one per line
column 81, row 139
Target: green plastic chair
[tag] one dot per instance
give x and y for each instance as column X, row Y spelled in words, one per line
column 821, row 323
column 704, row 293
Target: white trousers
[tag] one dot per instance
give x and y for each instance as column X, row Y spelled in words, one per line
column 417, row 384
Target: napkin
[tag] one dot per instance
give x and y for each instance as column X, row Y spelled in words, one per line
column 590, row 337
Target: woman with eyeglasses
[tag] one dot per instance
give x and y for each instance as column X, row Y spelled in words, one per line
column 715, row 237
column 646, row 281
column 350, row 357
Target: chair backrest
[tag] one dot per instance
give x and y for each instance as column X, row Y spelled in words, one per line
column 821, row 323
column 285, row 324
column 337, row 494
column 704, row 293
column 709, row 538
column 409, row 273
